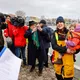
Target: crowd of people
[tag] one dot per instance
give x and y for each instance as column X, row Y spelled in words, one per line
column 65, row 43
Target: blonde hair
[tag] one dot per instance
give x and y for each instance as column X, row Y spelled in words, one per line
column 72, row 25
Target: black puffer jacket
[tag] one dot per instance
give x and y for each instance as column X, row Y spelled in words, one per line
column 1, row 38
column 2, row 26
column 1, row 35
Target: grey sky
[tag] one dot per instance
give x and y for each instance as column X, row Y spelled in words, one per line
column 49, row 8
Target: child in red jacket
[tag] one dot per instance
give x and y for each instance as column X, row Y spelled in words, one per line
column 73, row 41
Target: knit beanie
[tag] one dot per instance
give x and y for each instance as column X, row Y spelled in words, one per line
column 60, row 19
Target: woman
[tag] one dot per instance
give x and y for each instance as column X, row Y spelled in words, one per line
column 65, row 70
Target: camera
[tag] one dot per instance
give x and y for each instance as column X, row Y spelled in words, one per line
column 14, row 21
column 18, row 21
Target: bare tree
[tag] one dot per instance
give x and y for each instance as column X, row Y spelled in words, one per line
column 20, row 13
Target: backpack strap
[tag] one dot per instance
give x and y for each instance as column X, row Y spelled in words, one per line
column 56, row 35
column 71, row 35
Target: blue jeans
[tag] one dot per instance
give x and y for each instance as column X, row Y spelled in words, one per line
column 20, row 51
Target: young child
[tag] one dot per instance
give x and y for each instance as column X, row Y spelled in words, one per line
column 73, row 39
column 72, row 42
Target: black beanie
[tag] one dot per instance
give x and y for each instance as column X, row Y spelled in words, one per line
column 31, row 23
column 60, row 19
column 43, row 22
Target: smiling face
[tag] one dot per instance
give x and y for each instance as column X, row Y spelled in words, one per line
column 60, row 25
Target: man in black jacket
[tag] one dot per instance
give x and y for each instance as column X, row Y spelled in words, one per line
column 47, row 39
column 2, row 26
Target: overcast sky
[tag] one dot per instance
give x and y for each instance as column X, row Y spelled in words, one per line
column 49, row 8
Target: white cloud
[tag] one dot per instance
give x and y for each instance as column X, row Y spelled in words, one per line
column 49, row 8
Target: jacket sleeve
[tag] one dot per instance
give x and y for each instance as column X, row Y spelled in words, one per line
column 6, row 32
column 28, row 33
column 26, row 27
column 44, row 32
column 76, row 41
column 56, row 47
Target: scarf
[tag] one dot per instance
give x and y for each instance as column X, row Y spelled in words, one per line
column 36, row 39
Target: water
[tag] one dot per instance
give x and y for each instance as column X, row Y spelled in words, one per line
column 77, row 63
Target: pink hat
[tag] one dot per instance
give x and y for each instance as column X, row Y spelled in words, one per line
column 77, row 29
